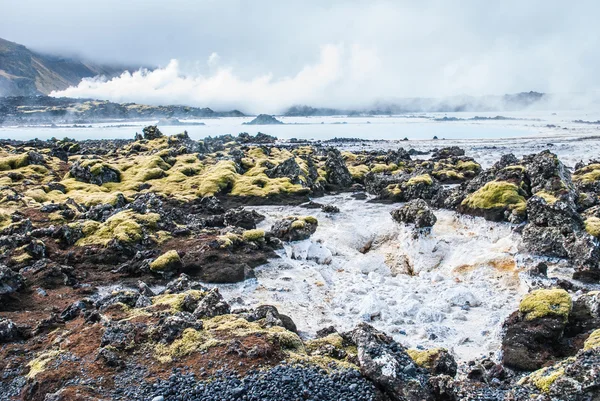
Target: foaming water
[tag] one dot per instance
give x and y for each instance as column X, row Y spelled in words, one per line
column 452, row 287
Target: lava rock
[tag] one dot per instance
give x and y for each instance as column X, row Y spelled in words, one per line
column 415, row 212
column 10, row 281
column 211, row 305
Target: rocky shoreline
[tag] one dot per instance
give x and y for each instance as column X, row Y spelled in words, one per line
column 162, row 219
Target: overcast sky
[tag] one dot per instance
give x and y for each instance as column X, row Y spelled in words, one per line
column 319, row 51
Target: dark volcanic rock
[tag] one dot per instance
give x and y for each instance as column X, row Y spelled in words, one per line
column 152, row 132
column 243, row 218
column 264, row 119
column 212, row 305
column 94, row 171
column 387, row 364
column 10, row 281
column 294, row 228
column 337, row 172
column 415, row 212
column 9, row 331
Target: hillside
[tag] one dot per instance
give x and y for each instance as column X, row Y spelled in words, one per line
column 25, row 73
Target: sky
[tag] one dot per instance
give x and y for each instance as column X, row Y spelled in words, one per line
column 267, row 55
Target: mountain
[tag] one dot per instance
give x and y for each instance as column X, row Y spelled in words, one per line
column 18, row 110
column 26, row 73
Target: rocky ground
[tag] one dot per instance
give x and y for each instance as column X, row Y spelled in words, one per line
column 157, row 220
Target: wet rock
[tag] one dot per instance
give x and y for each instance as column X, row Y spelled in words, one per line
column 438, row 361
column 337, row 172
column 10, row 281
column 243, row 218
column 73, row 310
column 415, row 212
column 387, row 364
column 211, row 305
column 94, row 171
column 330, row 209
column 294, row 228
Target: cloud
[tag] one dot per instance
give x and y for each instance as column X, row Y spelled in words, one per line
column 338, row 76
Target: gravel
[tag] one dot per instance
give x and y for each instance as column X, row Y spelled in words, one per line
column 280, row 383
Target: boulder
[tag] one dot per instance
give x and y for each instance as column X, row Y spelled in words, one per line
column 415, row 212
column 337, row 172
column 10, row 281
column 211, row 305
column 243, row 218
column 388, row 365
column 152, row 132
column 9, row 331
column 94, row 171
column 294, row 228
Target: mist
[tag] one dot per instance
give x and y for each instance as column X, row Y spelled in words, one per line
column 265, row 56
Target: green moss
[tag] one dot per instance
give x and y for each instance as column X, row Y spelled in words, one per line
column 22, row 258
column 175, row 301
column 592, row 226
column 544, row 378
column 448, row 175
column 496, row 194
column 468, row 166
column 420, row 179
column 253, row 235
column 310, row 219
column 588, row 174
column 166, row 261
column 37, row 194
column 593, row 341
column 126, row 226
column 380, row 168
column 228, row 239
column 334, row 340
column 542, row 303
column 191, row 341
column 236, row 326
column 425, row 358
column 298, row 224
column 548, row 197
column 38, row 365
column 11, row 162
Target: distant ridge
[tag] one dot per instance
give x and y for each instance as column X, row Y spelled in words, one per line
column 26, row 73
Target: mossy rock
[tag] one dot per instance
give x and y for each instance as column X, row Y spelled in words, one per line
column 168, row 261
column 593, row 341
column 546, row 303
column 493, row 199
column 126, row 227
column 592, row 226
column 253, row 235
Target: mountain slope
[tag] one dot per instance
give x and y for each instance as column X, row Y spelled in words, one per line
column 25, row 73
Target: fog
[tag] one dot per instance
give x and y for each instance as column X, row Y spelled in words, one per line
column 264, row 56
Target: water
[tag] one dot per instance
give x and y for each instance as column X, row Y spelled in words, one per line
column 414, row 127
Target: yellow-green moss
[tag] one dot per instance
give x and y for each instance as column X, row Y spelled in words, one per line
column 380, row 167
column 333, row 339
column 175, row 301
column 191, row 341
column 544, row 378
column 38, row 365
column 588, row 174
column 593, row 341
column 448, row 175
column 228, row 239
column 37, row 194
column 592, row 226
column 358, row 172
column 542, row 303
column 253, row 235
column 468, row 166
column 548, row 197
column 424, row 358
column 236, row 326
column 298, row 224
column 310, row 219
column 125, row 226
column 165, row 261
column 420, row 179
column 11, row 162
column 496, row 194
